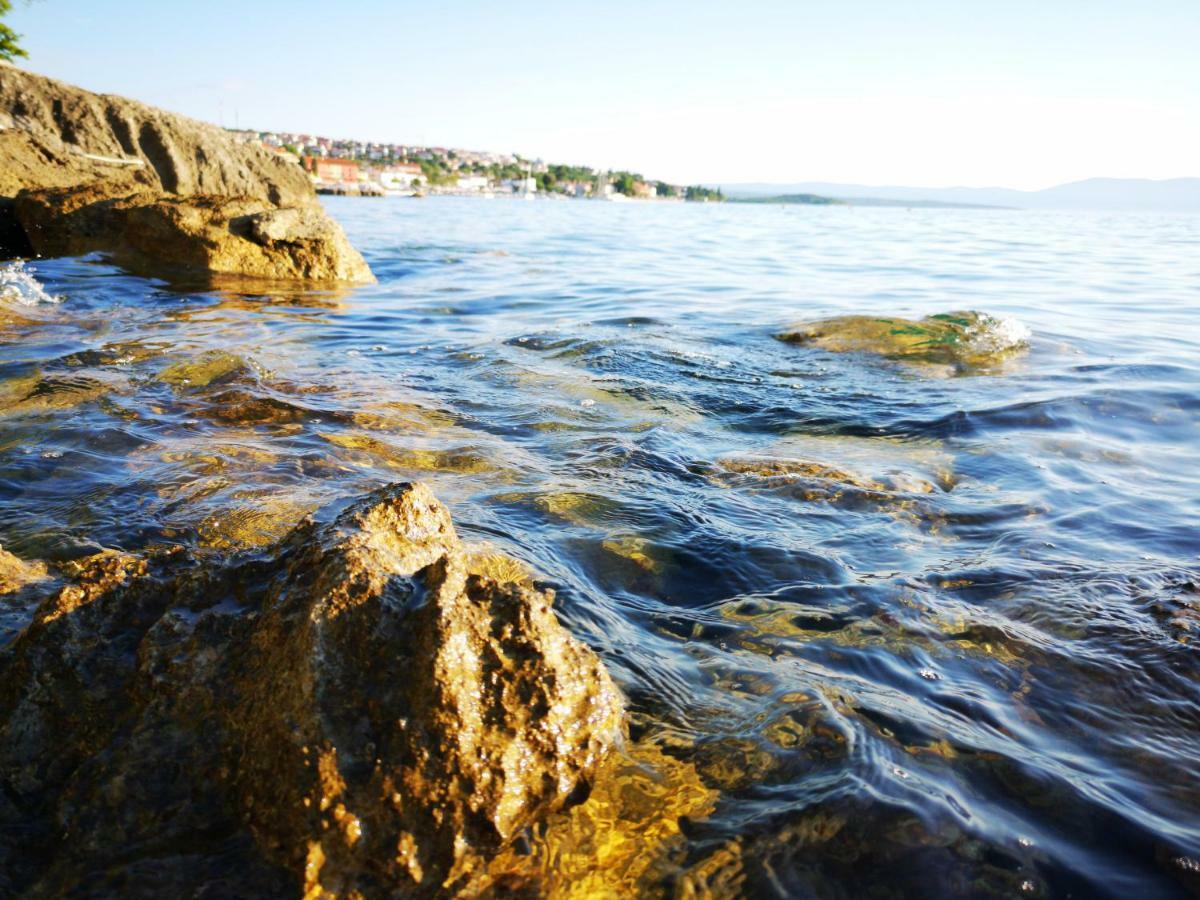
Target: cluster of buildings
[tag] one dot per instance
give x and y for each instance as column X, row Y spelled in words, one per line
column 360, row 167
column 369, row 152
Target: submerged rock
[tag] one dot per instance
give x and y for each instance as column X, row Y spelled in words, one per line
column 16, row 573
column 211, row 367
column 360, row 715
column 831, row 478
column 37, row 393
column 626, row 841
column 957, row 338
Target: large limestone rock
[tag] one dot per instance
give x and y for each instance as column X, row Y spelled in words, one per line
column 356, row 714
column 149, row 233
column 77, row 160
column 53, row 134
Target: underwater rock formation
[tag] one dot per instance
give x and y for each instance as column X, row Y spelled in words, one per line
column 356, row 712
column 956, row 338
column 103, row 173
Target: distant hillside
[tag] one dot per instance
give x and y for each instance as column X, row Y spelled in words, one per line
column 821, row 200
column 801, row 199
column 1175, row 194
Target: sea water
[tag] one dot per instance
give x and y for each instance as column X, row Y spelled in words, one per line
column 918, row 628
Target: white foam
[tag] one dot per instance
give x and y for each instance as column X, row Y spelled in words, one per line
column 995, row 334
column 17, row 285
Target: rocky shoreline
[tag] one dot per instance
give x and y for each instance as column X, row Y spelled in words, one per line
column 160, row 193
column 366, row 709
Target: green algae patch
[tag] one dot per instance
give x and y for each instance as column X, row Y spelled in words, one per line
column 961, row 339
column 212, row 367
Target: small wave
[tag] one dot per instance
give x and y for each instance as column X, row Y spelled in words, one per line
column 997, row 334
column 18, row 285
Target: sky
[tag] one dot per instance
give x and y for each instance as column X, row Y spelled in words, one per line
column 928, row 93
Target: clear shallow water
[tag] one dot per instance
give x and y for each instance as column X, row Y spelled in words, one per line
column 970, row 668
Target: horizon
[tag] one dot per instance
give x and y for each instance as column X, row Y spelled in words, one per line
column 1022, row 98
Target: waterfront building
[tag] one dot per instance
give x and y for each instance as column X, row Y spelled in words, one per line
column 325, row 170
column 401, row 177
column 472, row 183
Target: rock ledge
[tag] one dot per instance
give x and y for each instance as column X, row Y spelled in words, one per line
column 71, row 163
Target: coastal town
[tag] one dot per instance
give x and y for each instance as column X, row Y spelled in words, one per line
column 362, row 168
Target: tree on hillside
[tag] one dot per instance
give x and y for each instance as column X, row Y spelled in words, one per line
column 9, row 48
column 623, row 182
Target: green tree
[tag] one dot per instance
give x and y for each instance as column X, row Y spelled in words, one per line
column 698, row 193
column 623, row 182
column 9, row 48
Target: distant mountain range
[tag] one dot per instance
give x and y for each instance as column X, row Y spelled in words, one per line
column 1174, row 194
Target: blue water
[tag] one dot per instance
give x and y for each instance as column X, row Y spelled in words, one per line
column 981, row 679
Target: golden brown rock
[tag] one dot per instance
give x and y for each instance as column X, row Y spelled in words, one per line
column 626, row 841
column 16, row 573
column 57, row 135
column 481, row 712
column 360, row 715
column 160, row 193
column 150, row 233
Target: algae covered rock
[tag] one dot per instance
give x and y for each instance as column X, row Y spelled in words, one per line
column 956, row 338
column 357, row 714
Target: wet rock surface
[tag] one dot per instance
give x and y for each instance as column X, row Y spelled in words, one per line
column 83, row 172
column 361, row 711
column 16, row 573
column 148, row 233
column 963, row 339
